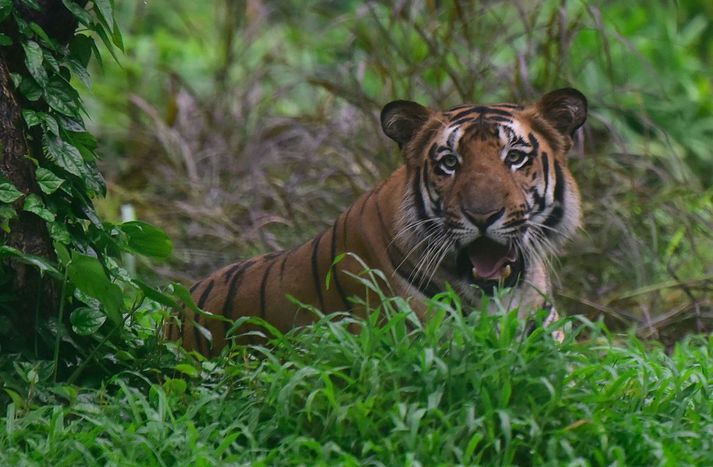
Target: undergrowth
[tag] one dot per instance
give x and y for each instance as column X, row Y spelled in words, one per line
column 461, row 389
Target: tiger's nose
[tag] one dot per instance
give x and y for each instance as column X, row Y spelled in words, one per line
column 483, row 219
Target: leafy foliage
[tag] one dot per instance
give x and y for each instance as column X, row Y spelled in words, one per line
column 98, row 295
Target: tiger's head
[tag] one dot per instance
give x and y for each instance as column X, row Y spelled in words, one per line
column 490, row 197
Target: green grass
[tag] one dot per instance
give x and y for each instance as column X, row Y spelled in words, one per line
column 458, row 390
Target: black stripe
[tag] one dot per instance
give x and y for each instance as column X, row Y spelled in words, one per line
column 263, row 289
column 559, row 183
column 558, row 211
column 231, row 271
column 491, row 110
column 195, row 286
column 272, row 255
column 513, row 223
column 233, row 288
column 419, row 201
column 461, row 121
column 315, row 270
column 433, row 150
column 548, row 133
column 546, row 170
column 534, row 143
column 539, row 201
column 196, row 320
column 344, row 226
column 483, row 110
column 458, row 107
column 519, row 140
column 335, row 273
column 468, row 111
column 204, row 295
column 366, row 200
column 282, row 264
column 435, row 205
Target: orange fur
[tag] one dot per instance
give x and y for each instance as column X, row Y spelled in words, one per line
column 419, row 225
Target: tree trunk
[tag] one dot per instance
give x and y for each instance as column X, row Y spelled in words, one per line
column 36, row 297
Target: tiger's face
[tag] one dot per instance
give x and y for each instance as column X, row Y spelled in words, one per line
column 490, row 196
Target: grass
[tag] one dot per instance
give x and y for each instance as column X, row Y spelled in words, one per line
column 459, row 390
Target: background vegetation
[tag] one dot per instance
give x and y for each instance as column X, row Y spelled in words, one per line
column 248, row 127
column 245, row 126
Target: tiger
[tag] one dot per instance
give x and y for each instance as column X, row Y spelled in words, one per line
column 483, row 200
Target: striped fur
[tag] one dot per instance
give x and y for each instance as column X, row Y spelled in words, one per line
column 482, row 189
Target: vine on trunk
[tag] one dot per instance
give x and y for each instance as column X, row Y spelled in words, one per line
column 61, row 279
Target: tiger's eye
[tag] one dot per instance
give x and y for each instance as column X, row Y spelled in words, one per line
column 449, row 161
column 515, row 157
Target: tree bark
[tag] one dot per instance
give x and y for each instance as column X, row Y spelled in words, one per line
column 36, row 297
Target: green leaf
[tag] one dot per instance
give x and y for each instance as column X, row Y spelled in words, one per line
column 146, row 239
column 81, row 48
column 5, row 9
column 16, row 79
column 59, row 232
column 8, row 192
column 97, row 54
column 33, row 61
column 116, row 36
column 94, row 180
column 71, row 124
column 80, row 72
column 107, row 42
column 62, row 253
column 32, row 4
column 7, row 213
column 4, row 40
column 83, row 141
column 44, row 38
column 30, row 89
column 40, row 263
column 51, row 61
column 80, row 13
column 105, row 11
column 48, row 181
column 32, row 118
column 87, row 274
column 50, row 124
column 187, row 369
column 86, row 321
column 65, row 155
column 61, row 97
column 175, row 387
column 156, row 295
column 35, row 205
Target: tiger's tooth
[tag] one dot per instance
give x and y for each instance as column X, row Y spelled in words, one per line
column 507, row 270
column 474, row 271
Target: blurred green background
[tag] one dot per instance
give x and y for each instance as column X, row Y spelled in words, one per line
column 246, row 126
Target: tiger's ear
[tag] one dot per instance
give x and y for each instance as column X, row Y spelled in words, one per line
column 565, row 109
column 401, row 119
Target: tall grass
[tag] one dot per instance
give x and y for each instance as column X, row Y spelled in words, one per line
column 460, row 389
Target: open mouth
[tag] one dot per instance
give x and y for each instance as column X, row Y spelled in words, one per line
column 487, row 264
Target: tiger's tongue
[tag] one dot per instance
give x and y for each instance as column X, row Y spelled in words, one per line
column 489, row 257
